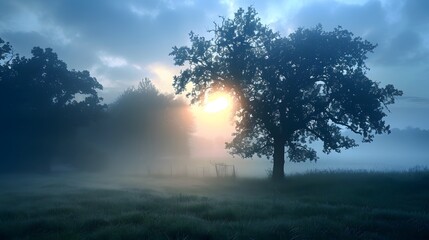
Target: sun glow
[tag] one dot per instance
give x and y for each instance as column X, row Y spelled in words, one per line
column 217, row 105
column 213, row 122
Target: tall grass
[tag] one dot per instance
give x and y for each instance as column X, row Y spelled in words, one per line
column 317, row 205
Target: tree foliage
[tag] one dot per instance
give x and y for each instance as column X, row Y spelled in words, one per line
column 5, row 49
column 147, row 126
column 289, row 91
column 41, row 104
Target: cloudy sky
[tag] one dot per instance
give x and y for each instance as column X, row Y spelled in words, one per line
column 122, row 41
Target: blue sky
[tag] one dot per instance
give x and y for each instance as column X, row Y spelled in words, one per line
column 122, row 41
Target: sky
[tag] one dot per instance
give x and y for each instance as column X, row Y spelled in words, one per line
column 123, row 41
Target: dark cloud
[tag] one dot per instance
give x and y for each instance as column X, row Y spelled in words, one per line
column 414, row 99
column 416, row 13
column 406, row 47
column 6, row 10
column 23, row 42
column 145, row 31
column 138, row 36
column 367, row 20
column 398, row 41
column 114, row 26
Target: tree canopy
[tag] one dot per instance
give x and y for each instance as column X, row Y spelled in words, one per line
column 289, row 91
column 147, row 126
column 41, row 102
column 5, row 49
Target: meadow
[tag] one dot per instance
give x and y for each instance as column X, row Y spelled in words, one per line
column 317, row 205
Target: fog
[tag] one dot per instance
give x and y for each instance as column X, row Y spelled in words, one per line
column 402, row 150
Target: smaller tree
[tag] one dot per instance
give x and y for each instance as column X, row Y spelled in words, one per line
column 41, row 104
column 147, row 125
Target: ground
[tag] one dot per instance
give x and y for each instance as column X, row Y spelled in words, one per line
column 322, row 205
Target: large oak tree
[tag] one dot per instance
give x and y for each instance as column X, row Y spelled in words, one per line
column 289, row 91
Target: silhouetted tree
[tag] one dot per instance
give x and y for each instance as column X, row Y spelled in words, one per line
column 6, row 56
column 147, row 125
column 5, row 49
column 290, row 91
column 41, row 104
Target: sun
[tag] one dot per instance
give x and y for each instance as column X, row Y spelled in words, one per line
column 217, row 105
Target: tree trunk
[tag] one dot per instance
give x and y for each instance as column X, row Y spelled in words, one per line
column 279, row 160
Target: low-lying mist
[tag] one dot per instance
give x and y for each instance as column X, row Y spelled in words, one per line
column 401, row 150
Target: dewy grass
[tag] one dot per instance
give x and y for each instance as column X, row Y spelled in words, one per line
column 318, row 205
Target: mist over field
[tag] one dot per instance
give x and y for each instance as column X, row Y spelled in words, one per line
column 401, row 150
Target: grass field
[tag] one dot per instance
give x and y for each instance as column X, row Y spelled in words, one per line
column 323, row 205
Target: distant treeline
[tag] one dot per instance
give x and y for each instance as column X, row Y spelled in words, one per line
column 50, row 115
